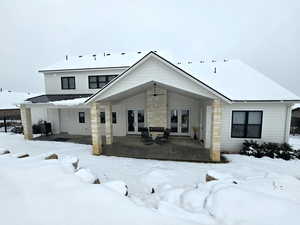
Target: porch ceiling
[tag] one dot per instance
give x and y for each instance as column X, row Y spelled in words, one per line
column 142, row 88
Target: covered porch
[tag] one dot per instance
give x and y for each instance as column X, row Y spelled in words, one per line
column 177, row 148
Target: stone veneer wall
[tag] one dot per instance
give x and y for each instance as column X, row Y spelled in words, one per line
column 216, row 130
column 26, row 122
column 157, row 107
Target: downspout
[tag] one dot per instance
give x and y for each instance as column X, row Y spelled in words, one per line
column 288, row 123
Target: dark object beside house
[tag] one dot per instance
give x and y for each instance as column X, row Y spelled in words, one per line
column 43, row 128
column 46, row 128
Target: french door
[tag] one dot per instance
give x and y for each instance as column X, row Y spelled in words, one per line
column 180, row 121
column 135, row 120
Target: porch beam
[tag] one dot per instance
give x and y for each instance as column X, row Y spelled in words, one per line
column 108, row 124
column 26, row 122
column 216, row 131
column 95, row 128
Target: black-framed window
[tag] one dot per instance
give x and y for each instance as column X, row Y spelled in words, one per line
column 246, row 124
column 81, row 117
column 68, row 83
column 102, row 117
column 114, row 117
column 99, row 81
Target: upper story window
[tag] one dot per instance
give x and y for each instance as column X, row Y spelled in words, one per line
column 68, row 83
column 246, row 124
column 99, row 81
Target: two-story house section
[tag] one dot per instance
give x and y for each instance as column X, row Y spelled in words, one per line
column 220, row 103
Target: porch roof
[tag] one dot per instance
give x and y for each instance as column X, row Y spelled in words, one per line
column 54, row 98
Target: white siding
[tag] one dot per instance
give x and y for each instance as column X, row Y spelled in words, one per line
column 38, row 114
column 154, row 70
column 273, row 124
column 53, row 81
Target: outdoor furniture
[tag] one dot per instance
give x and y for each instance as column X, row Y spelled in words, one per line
column 46, row 128
column 161, row 139
column 146, row 137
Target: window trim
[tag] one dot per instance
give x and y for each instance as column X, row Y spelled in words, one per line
column 68, row 78
column 246, row 124
column 81, row 113
column 104, row 121
column 98, row 82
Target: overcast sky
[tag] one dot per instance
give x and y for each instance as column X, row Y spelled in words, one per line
column 37, row 33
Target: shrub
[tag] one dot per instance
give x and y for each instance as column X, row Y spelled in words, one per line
column 270, row 149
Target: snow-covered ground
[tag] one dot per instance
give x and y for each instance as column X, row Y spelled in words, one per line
column 37, row 191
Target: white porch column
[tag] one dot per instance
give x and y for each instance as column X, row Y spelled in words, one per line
column 108, row 124
column 95, row 128
column 216, row 130
column 26, row 122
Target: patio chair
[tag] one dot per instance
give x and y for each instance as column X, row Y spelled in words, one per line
column 146, row 137
column 164, row 138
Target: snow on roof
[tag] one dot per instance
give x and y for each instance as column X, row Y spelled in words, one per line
column 10, row 99
column 70, row 102
column 102, row 60
column 237, row 81
column 231, row 78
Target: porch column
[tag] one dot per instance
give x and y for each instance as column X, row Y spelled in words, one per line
column 108, row 124
column 26, row 122
column 95, row 128
column 216, row 130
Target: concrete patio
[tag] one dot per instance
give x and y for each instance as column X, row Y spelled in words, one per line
column 177, row 148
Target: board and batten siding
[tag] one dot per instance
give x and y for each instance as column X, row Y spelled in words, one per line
column 53, row 81
column 273, row 124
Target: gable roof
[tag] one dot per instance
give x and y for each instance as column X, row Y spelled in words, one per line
column 230, row 79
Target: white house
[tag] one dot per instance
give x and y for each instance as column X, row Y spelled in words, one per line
column 117, row 94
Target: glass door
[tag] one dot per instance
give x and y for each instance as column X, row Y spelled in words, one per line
column 180, row 121
column 135, row 120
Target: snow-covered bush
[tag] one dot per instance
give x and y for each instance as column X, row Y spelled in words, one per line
column 270, row 149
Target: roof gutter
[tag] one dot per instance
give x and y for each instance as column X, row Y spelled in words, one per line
column 83, row 69
column 265, row 101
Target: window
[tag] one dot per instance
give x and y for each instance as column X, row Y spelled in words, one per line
column 99, row 81
column 102, row 117
column 68, row 83
column 81, row 117
column 114, row 117
column 246, row 124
